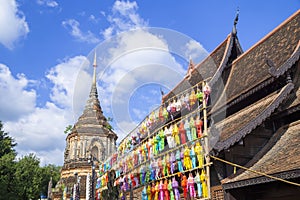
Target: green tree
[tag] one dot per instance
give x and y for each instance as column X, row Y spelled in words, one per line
column 7, row 144
column 7, row 165
column 47, row 172
column 28, row 178
column 7, row 182
column 22, row 179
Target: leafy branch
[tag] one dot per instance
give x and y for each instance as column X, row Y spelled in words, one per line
column 108, row 126
column 68, row 129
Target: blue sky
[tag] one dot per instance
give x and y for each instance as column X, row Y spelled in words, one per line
column 46, row 46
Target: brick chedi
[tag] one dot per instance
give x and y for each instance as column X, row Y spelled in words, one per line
column 90, row 136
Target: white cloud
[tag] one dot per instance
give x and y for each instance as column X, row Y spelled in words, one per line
column 124, row 17
column 73, row 27
column 125, row 7
column 17, row 99
column 102, row 13
column 135, row 55
column 133, row 59
column 13, row 25
column 108, row 32
column 154, row 92
column 64, row 76
column 82, row 13
column 47, row 156
column 48, row 3
column 41, row 131
column 129, row 60
column 72, row 80
column 127, row 126
column 195, row 50
column 94, row 19
column 140, row 114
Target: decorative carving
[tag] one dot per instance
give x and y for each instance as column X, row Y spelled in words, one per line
column 262, row 179
column 288, row 78
column 234, row 31
column 286, row 66
column 272, row 67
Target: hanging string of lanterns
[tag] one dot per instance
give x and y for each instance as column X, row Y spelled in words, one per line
column 163, row 149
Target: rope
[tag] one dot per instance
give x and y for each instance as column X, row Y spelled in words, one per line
column 256, row 172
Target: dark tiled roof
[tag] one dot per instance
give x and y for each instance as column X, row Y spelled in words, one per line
column 208, row 67
column 202, row 71
column 251, row 69
column 231, row 42
column 281, row 154
column 236, row 126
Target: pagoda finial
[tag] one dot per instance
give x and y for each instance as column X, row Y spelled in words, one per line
column 94, row 65
column 93, row 93
column 234, row 31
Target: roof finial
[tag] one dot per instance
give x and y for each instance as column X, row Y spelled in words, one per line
column 94, row 65
column 191, row 63
column 234, row 31
column 190, row 67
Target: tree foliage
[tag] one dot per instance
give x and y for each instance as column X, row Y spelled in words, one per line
column 7, row 170
column 7, row 144
column 47, row 172
column 22, row 178
column 7, row 164
column 68, row 129
column 28, row 178
column 108, row 125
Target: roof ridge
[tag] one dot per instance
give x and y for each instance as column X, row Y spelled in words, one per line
column 224, row 61
column 288, row 63
column 198, row 65
column 212, row 52
column 268, row 35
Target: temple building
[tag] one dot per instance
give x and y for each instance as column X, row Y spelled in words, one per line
column 90, row 142
column 253, row 119
column 261, row 131
column 254, row 116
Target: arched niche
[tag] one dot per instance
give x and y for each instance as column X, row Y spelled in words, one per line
column 95, row 152
column 96, row 148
